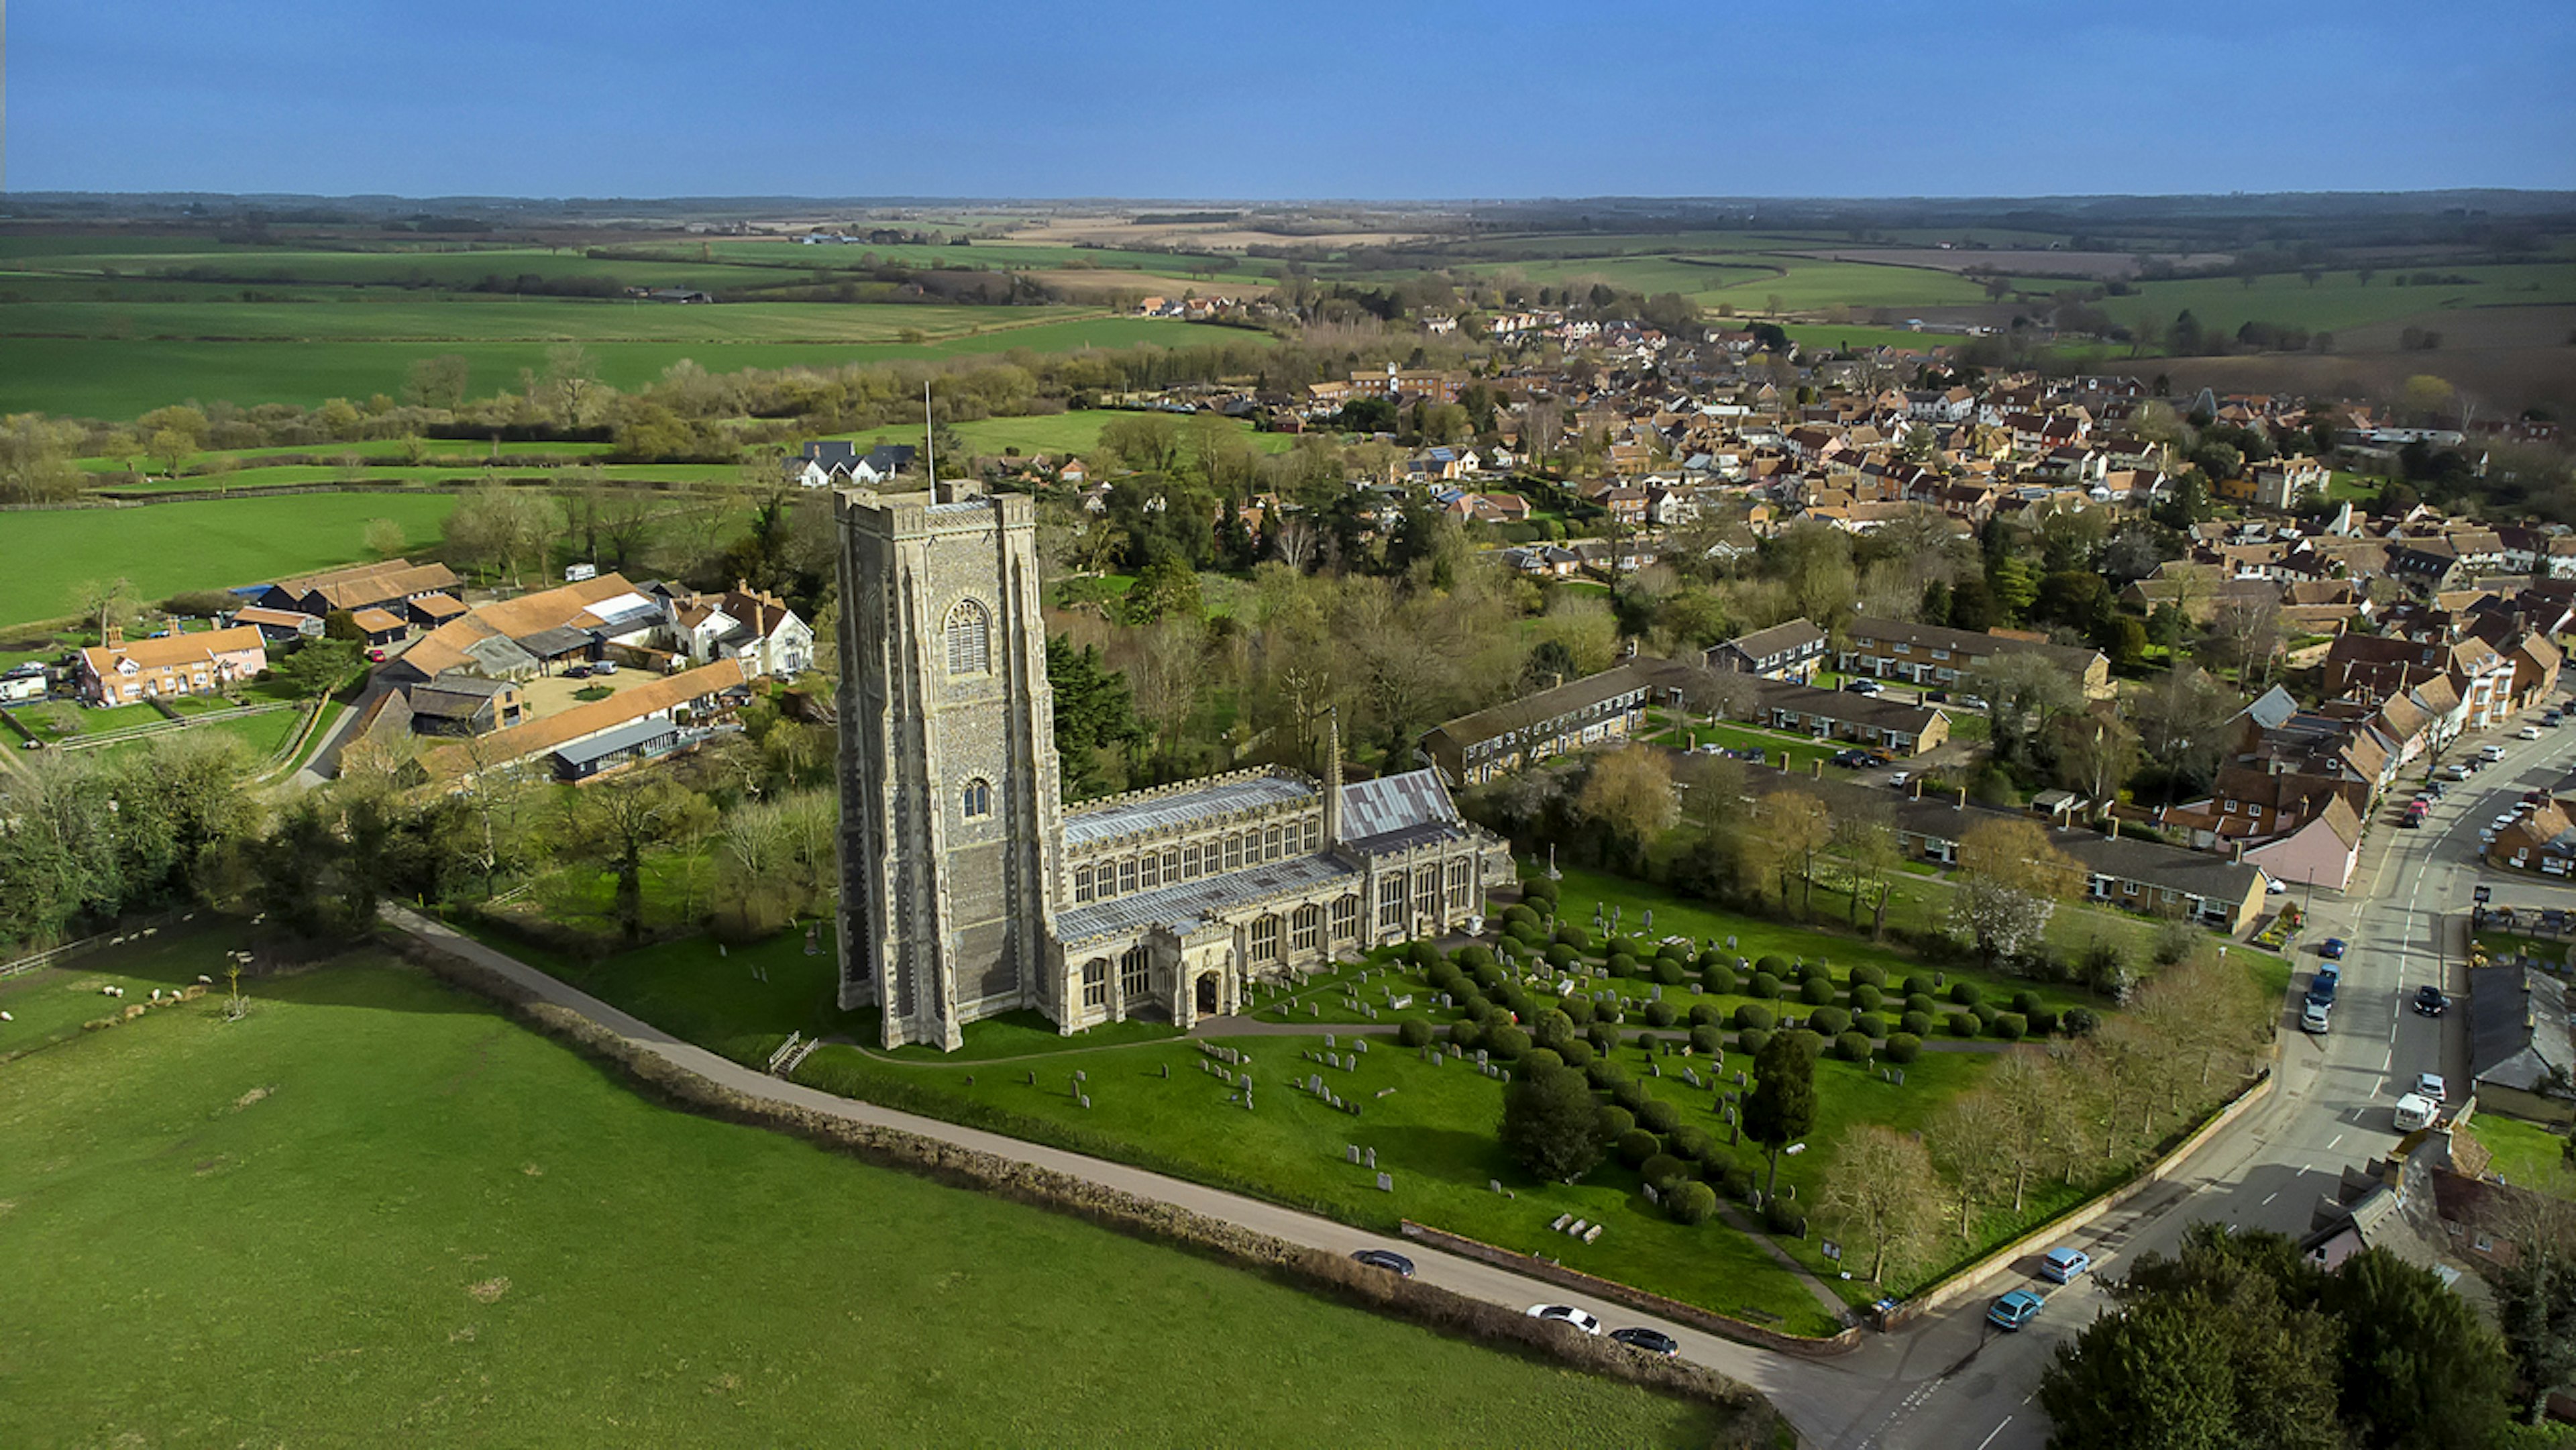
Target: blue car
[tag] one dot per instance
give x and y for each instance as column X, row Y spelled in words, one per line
column 2062, row 1265
column 2015, row 1309
column 2331, row 949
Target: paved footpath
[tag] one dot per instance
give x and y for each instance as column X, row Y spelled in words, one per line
column 1816, row 1396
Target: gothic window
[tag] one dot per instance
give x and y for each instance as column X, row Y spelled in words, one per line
column 1390, row 901
column 970, row 639
column 1306, row 929
column 1265, row 939
column 1127, row 876
column 1082, row 883
column 1346, row 918
column 1135, row 973
column 977, row 799
column 1462, row 885
column 1426, row 892
column 1233, row 852
column 1095, row 982
column 1272, row 853
column 1171, row 865
column 1151, row 874
column 1314, row 834
column 1190, row 862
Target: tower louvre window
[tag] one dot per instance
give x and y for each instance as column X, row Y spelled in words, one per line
column 970, row 639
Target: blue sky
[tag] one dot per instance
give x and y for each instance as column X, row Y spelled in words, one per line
column 1329, row 99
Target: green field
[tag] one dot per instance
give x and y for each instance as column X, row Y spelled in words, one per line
column 167, row 548
column 2525, row 1154
column 2338, row 300
column 374, row 1209
column 261, row 735
column 1058, row 433
column 113, row 378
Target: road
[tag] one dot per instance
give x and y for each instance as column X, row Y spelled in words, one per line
column 1947, row 1382
column 1952, row 1383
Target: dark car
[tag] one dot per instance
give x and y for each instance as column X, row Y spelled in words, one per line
column 1392, row 1262
column 1650, row 1340
column 2429, row 1001
column 2332, row 949
column 2321, row 989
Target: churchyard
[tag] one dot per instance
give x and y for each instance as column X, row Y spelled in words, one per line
column 1278, row 1104
column 376, row 1201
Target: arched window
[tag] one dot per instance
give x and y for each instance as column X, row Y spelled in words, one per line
column 1265, row 939
column 977, row 799
column 1135, row 973
column 1305, row 929
column 1095, row 982
column 1426, row 894
column 970, row 639
column 1462, row 886
column 1346, row 917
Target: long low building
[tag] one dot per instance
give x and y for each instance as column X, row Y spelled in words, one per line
column 2521, row 1058
column 128, row 672
column 703, row 694
column 1849, row 715
column 1940, row 658
column 1601, row 709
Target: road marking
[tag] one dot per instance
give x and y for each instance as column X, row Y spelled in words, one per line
column 2330, row 1147
column 2267, row 1198
column 1991, row 1434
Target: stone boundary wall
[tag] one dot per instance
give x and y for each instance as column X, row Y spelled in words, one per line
column 1310, row 1269
column 1691, row 1314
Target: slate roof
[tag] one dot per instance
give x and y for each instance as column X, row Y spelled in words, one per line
column 1182, row 905
column 1131, row 815
column 2518, row 1028
column 1376, row 813
column 582, row 752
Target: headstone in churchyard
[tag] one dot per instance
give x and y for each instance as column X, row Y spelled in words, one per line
column 1444, row 999
column 1652, row 1196
column 1690, row 1077
column 1400, row 1003
column 1351, row 1152
column 1655, row 993
column 1592, row 1234
column 1371, row 1156
column 1359, row 1044
column 1328, row 1040
column 1386, row 1183
column 1562, row 1220
column 1507, row 1077
column 1086, row 1100
column 1033, row 1077
column 1480, row 1057
column 1830, row 1249
column 1167, row 1072
column 1650, row 919
column 1739, row 1077
column 1314, row 1009
column 1900, row 1077
column 1730, row 943
column 1577, row 1227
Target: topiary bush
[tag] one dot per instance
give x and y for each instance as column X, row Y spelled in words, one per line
column 1853, row 1046
column 1668, row 971
column 1706, row 1014
column 1732, row 1179
column 1921, row 983
column 1866, row 975
column 1708, row 1040
column 1720, row 980
column 1601, row 1036
column 1829, row 1021
column 1710, row 961
column 1551, row 1028
column 1752, row 1040
column 1691, row 1141
column 1507, row 1042
column 1765, row 986
column 1629, row 1093
column 1660, row 1014
column 1870, row 1023
column 1466, row 1033
column 1902, row 1048
column 1517, row 914
column 2080, row 1021
column 1616, row 1122
column 2043, row 1023
column 1637, row 1145
column 1751, row 1016
column 1604, row 1075
column 1771, row 964
column 1577, row 1010
column 1783, row 1218
column 1613, row 1012
column 1966, row 994
column 1539, row 1057
column 1576, row 1052
column 1659, row 1115
column 2010, row 1026
column 1963, row 1024
column 1413, row 1032
column 1816, row 991
column 1540, row 890
column 1570, row 935
column 2025, row 1002
column 1563, row 957
column 1426, row 954
column 1868, row 998
column 1622, row 965
column 1918, row 1023
column 1985, row 1013
column 1691, row 1203
column 1921, row 1002
column 1663, row 1170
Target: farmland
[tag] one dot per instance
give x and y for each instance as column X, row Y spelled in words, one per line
column 167, row 548
column 352, row 1177
column 1058, row 433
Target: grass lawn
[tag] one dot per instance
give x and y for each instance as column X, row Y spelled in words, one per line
column 261, row 735
column 216, row 544
column 1058, row 434
column 375, row 1206
column 2525, row 1154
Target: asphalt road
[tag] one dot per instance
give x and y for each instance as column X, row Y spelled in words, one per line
column 1953, row 1383
column 1947, row 1382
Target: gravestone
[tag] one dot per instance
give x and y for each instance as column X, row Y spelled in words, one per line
column 1351, row 1152
column 1578, row 1227
column 1654, row 1069
column 1371, row 1155
column 1480, row 1057
column 1562, row 1220
column 1386, row 1183
column 1592, row 1234
column 1652, row 1196
column 1494, row 1184
column 1730, row 943
column 1086, row 1100
column 1359, row 1044
column 1167, row 1072
column 1328, row 1040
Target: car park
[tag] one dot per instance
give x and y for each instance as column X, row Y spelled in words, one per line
column 2332, row 948
column 2016, row 1309
column 1387, row 1259
column 2430, row 1085
column 2429, row 1001
column 1566, row 1314
column 1652, row 1341
column 2063, row 1264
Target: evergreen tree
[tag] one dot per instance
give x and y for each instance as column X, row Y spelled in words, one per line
column 1551, row 1125
column 1782, row 1106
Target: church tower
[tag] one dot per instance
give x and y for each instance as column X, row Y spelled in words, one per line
column 948, row 774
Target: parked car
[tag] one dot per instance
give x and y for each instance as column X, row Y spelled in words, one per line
column 1879, row 755
column 2312, row 1018
column 2272, row 886
column 1899, row 779
column 2429, row 1001
column 2416, row 1111
column 1652, row 1341
column 1975, row 702
column 576, row 672
column 604, row 667
column 376, row 655
column 2490, row 754
column 1566, row 1314
column 1387, row 1259
column 2062, row 1265
column 2452, row 773
column 2016, row 1309
column 2430, row 1085
column 2411, row 820
column 2321, row 989
column 1864, row 687
column 2527, row 732
column 2332, row 948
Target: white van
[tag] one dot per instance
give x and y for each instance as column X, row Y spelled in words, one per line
column 2491, row 753
column 575, row 573
column 2415, row 1111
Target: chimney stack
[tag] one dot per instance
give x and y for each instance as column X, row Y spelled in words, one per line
column 114, row 638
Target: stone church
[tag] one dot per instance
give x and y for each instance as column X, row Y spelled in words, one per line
column 968, row 889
